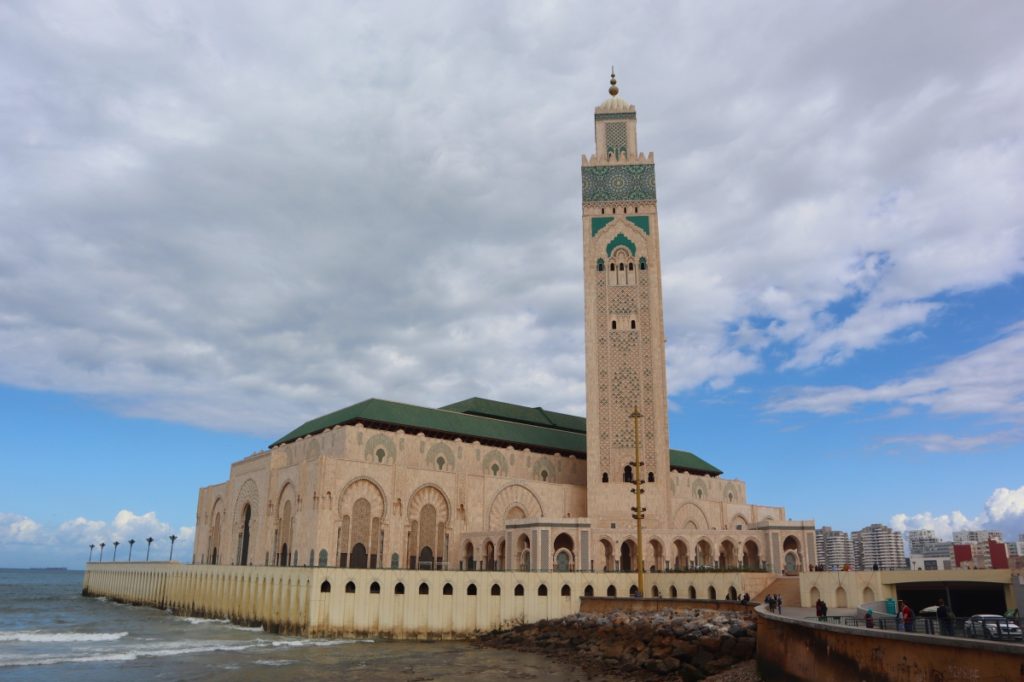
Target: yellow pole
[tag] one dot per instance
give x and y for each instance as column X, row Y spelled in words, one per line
column 638, row 510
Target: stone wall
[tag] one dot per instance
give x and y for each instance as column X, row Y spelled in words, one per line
column 404, row 604
column 801, row 650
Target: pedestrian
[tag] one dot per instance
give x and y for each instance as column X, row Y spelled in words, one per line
column 778, row 602
column 869, row 619
column 901, row 624
column 945, row 621
column 910, row 617
column 771, row 602
column 817, row 609
column 824, row 610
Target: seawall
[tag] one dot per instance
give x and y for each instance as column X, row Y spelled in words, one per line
column 800, row 650
column 400, row 604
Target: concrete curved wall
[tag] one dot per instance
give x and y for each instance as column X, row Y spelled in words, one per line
column 796, row 649
column 284, row 599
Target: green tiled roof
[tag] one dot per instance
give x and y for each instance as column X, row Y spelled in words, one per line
column 484, row 420
column 537, row 416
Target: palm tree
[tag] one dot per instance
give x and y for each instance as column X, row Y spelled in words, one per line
column 116, row 543
column 90, row 553
column 102, row 545
column 173, row 538
column 131, row 546
column 149, row 542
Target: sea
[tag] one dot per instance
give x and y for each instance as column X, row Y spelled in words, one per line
column 49, row 631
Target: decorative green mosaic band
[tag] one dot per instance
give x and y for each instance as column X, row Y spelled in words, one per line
column 629, row 115
column 620, row 240
column 596, row 224
column 619, row 183
column 641, row 221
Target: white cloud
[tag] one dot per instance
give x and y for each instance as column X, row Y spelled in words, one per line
column 68, row 542
column 989, row 380
column 1004, row 510
column 257, row 223
column 1005, row 504
column 16, row 528
column 944, row 442
column 942, row 524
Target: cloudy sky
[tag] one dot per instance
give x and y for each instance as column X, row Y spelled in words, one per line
column 218, row 220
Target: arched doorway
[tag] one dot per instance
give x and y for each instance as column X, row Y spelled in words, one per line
column 869, row 595
column 751, row 555
column 426, row 559
column 489, row 563
column 815, row 594
column 712, row 592
column 523, row 552
column 243, row 554
column 682, row 555
column 609, row 560
column 727, row 554
column 564, row 557
column 791, row 554
column 703, row 558
column 841, row 597
column 467, row 558
column 626, row 556
column 358, row 557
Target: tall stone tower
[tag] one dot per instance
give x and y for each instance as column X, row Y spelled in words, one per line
column 625, row 328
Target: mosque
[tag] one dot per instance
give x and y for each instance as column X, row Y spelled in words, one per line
column 487, row 485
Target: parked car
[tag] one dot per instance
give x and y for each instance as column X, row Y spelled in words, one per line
column 991, row 626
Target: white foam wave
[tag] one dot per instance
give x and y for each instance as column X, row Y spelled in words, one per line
column 37, row 636
column 273, row 663
column 203, row 621
column 130, row 655
column 185, row 647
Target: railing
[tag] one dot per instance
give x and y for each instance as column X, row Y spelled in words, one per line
column 989, row 627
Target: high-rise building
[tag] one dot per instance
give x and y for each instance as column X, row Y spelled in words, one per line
column 919, row 540
column 835, row 550
column 964, row 537
column 878, row 544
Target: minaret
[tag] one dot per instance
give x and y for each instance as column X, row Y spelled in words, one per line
column 625, row 328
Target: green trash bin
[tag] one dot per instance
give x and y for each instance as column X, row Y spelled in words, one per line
column 890, row 606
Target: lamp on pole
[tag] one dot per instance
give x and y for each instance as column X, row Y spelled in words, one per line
column 149, row 542
column 638, row 510
column 116, row 543
column 131, row 546
column 90, row 553
column 102, row 545
column 173, row 538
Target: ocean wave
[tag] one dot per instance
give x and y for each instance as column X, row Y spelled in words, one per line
column 203, row 621
column 274, row 663
column 38, row 636
column 186, row 648
column 163, row 649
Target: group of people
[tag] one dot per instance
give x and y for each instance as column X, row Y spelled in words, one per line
column 821, row 608
column 774, row 602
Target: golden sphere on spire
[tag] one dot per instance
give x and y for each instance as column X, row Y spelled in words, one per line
column 614, row 89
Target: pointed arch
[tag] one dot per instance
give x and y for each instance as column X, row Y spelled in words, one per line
column 512, row 495
column 689, row 515
column 366, row 488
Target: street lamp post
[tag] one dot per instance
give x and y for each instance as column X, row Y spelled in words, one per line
column 638, row 510
column 173, row 538
column 131, row 546
column 116, row 543
column 90, row 553
column 102, row 545
column 149, row 542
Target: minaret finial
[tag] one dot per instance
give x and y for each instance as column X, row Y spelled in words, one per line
column 614, row 89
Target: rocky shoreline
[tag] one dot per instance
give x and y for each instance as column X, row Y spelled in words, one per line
column 664, row 645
